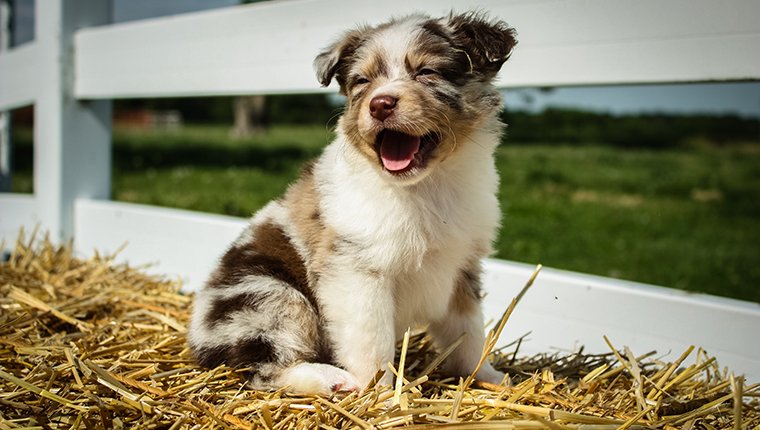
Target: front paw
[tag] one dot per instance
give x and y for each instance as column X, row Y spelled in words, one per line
column 318, row 378
column 488, row 374
column 339, row 381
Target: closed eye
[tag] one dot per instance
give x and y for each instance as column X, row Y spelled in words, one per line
column 426, row 72
column 361, row 80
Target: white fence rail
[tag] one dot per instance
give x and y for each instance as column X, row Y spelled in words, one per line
column 73, row 68
column 233, row 51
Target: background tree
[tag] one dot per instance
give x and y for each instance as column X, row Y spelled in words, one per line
column 249, row 116
column 249, row 110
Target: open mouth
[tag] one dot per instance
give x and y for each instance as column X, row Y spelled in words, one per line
column 400, row 152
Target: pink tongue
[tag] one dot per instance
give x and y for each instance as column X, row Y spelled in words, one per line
column 397, row 150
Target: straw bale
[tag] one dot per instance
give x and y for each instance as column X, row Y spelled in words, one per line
column 88, row 343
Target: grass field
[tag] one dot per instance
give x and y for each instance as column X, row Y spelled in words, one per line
column 686, row 218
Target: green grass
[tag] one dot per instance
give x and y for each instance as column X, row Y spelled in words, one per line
column 687, row 218
column 202, row 169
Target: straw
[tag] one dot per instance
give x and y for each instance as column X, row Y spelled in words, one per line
column 89, row 343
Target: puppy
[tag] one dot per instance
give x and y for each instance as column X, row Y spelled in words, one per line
column 385, row 230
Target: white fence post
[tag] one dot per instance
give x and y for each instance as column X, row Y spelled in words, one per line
column 5, row 122
column 5, row 151
column 72, row 138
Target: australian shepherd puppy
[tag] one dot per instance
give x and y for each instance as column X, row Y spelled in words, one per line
column 385, row 230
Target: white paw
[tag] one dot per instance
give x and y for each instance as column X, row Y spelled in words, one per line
column 318, row 378
column 488, row 374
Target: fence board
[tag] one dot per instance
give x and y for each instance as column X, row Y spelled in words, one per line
column 16, row 68
column 16, row 211
column 268, row 48
column 181, row 243
column 567, row 310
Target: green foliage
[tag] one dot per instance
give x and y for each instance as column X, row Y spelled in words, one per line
column 193, row 109
column 301, row 109
column 554, row 125
column 279, row 109
column 631, row 131
column 21, row 160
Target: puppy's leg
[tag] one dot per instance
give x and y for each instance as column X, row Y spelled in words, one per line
column 270, row 328
column 359, row 310
column 465, row 316
column 258, row 312
column 317, row 378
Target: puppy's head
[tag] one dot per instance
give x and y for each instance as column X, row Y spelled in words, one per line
column 416, row 87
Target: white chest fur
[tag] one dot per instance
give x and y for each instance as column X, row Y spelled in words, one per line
column 418, row 237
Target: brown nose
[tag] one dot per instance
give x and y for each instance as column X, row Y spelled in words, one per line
column 381, row 107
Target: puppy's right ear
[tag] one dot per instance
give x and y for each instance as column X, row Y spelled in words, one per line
column 334, row 61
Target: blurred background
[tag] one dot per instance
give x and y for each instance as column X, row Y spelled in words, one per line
column 658, row 184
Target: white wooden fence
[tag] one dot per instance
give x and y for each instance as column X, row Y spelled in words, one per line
column 77, row 64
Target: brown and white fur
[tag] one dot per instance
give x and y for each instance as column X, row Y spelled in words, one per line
column 385, row 230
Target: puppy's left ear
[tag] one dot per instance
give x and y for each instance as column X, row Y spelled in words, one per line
column 334, row 61
column 488, row 43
